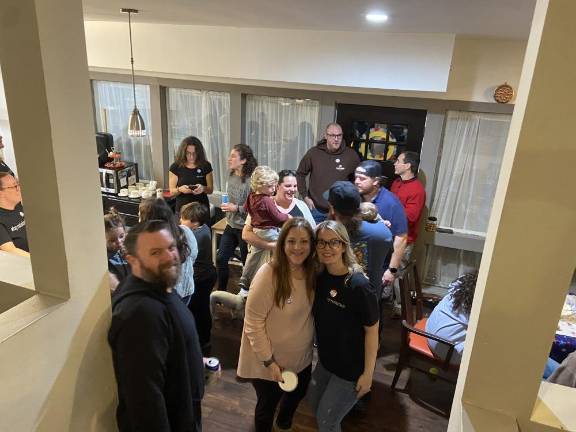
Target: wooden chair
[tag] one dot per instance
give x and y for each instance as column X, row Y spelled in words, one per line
column 414, row 350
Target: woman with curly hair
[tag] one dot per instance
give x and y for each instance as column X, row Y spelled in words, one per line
column 115, row 231
column 190, row 177
column 346, row 318
column 450, row 317
column 242, row 164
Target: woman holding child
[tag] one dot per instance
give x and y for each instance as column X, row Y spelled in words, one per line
column 286, row 202
column 278, row 326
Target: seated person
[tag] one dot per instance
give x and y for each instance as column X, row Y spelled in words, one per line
column 266, row 220
column 115, row 232
column 195, row 216
column 13, row 237
column 449, row 319
column 565, row 374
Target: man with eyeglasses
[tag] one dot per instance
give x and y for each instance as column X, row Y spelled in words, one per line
column 13, row 237
column 329, row 161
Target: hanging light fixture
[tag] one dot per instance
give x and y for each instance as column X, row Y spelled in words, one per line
column 136, row 125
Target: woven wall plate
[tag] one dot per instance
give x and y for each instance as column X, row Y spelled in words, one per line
column 503, row 93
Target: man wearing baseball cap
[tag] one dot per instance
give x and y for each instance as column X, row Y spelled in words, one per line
column 371, row 242
column 368, row 180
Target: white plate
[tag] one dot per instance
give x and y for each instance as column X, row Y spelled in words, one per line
column 290, row 381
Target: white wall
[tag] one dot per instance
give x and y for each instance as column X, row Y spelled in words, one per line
column 355, row 59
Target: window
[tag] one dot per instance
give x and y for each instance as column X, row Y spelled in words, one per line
column 206, row 115
column 114, row 103
column 280, row 130
column 470, row 162
column 468, row 173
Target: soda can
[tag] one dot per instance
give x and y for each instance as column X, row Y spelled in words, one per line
column 224, row 198
column 212, row 369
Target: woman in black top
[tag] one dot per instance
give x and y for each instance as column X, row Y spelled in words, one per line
column 190, row 176
column 346, row 320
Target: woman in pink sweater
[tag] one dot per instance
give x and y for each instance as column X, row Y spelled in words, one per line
column 278, row 326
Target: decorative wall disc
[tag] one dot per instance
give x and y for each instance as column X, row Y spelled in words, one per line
column 503, row 93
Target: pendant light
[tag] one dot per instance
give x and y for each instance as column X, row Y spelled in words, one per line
column 136, row 127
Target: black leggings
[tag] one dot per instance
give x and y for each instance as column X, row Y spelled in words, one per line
column 200, row 306
column 269, row 395
column 231, row 237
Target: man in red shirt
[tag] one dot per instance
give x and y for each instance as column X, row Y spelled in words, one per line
column 412, row 195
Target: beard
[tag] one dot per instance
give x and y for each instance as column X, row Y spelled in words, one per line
column 167, row 274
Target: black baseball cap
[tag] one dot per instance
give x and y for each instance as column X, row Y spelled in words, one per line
column 370, row 168
column 344, row 197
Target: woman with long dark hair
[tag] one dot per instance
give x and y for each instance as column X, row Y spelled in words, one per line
column 157, row 209
column 278, row 326
column 241, row 163
column 190, row 178
column 346, row 320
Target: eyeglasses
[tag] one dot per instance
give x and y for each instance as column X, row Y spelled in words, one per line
column 333, row 243
column 334, row 135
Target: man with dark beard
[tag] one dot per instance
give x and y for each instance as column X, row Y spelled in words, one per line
column 157, row 358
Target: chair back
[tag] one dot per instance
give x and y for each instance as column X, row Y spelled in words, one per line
column 411, row 295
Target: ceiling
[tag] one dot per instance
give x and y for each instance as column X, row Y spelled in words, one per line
column 509, row 19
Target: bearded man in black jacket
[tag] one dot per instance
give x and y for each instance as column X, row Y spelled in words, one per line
column 157, row 358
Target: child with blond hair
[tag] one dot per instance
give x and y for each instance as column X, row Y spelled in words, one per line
column 266, row 221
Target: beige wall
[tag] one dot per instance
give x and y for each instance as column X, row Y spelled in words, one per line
column 461, row 69
column 529, row 254
column 354, row 59
column 56, row 368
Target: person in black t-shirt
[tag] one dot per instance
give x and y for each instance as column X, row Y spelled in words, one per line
column 190, row 177
column 13, row 237
column 346, row 320
column 195, row 216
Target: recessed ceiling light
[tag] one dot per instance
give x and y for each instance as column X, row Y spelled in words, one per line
column 376, row 17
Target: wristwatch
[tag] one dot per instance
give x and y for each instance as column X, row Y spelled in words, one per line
column 268, row 362
column 393, row 270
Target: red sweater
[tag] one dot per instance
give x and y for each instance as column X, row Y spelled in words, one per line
column 412, row 195
column 263, row 211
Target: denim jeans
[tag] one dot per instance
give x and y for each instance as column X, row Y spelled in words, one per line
column 231, row 237
column 330, row 398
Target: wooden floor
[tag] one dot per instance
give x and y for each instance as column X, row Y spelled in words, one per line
column 228, row 404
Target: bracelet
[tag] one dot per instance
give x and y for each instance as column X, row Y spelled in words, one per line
column 268, row 362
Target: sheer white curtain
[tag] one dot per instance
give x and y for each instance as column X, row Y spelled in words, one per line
column 467, row 177
column 280, row 130
column 469, row 166
column 206, row 115
column 443, row 265
column 114, row 103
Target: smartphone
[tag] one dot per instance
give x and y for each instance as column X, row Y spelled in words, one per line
column 192, row 186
